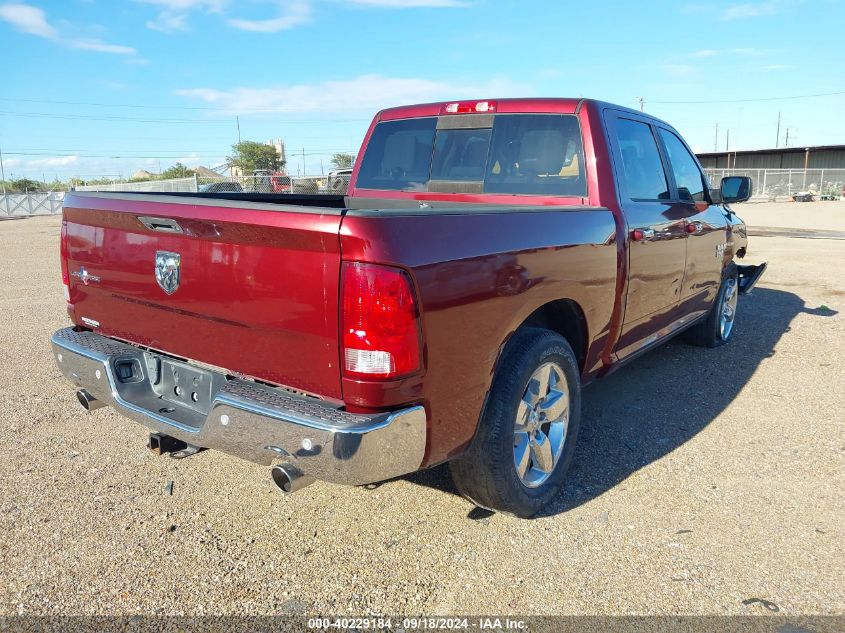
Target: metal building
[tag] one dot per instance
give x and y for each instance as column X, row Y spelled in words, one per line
column 818, row 157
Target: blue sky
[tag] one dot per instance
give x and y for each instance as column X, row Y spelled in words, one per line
column 97, row 87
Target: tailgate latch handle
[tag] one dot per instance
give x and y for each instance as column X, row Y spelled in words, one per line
column 165, row 225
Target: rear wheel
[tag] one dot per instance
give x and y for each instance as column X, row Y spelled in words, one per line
column 717, row 328
column 526, row 437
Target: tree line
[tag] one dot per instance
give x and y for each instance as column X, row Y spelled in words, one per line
column 248, row 156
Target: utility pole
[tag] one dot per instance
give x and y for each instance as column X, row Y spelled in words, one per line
column 777, row 136
column 716, row 140
column 238, row 121
column 2, row 172
column 787, row 137
column 3, row 179
column 642, row 103
column 303, row 161
column 728, row 141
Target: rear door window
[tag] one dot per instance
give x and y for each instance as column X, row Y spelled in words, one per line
column 645, row 178
column 398, row 155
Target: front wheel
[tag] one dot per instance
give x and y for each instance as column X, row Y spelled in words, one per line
column 526, row 437
column 716, row 329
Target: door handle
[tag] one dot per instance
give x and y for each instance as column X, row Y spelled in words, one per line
column 694, row 227
column 165, row 225
column 641, row 235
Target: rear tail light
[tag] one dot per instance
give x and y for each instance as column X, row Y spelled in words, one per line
column 380, row 322
column 63, row 255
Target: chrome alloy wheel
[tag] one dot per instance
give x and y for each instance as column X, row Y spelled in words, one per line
column 728, row 312
column 542, row 419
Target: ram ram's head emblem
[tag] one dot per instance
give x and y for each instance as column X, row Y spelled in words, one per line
column 167, row 271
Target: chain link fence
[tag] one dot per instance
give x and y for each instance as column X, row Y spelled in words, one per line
column 781, row 185
column 335, row 182
column 769, row 185
column 24, row 204
column 176, row 184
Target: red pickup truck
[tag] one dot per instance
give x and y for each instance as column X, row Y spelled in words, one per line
column 489, row 260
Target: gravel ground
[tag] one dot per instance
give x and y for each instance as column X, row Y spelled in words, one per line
column 827, row 215
column 703, row 478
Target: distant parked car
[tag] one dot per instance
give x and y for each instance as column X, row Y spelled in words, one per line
column 339, row 180
column 266, row 181
column 221, row 187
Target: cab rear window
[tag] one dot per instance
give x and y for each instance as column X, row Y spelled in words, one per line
column 536, row 154
column 398, row 156
column 528, row 154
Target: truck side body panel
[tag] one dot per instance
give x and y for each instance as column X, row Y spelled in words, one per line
column 479, row 276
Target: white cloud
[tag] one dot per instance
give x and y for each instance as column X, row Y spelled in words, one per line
column 168, row 22
column 173, row 15
column 53, row 161
column 366, row 92
column 292, row 14
column 408, row 4
column 749, row 10
column 187, row 5
column 286, row 14
column 49, row 162
column 749, row 52
column 101, row 47
column 33, row 21
column 679, row 70
column 27, row 19
column 753, row 52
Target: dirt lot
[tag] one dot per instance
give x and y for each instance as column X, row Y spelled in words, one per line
column 814, row 216
column 703, row 478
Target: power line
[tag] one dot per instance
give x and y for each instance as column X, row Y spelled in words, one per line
column 88, row 117
column 85, row 117
column 819, row 94
column 147, row 106
column 174, row 154
column 79, row 149
column 113, row 105
column 79, row 155
column 177, row 151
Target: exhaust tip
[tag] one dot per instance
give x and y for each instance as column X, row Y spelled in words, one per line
column 88, row 402
column 289, row 479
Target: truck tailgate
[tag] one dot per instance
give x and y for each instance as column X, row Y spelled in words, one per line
column 257, row 289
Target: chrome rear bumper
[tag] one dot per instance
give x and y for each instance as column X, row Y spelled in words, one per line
column 249, row 420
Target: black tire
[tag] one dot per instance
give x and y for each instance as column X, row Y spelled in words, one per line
column 486, row 473
column 709, row 332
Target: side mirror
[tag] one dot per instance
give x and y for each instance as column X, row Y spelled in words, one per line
column 735, row 189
